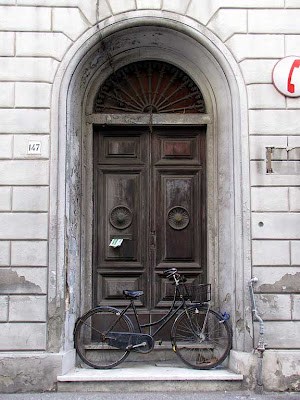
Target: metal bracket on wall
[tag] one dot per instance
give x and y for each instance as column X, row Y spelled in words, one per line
column 283, row 160
column 269, row 160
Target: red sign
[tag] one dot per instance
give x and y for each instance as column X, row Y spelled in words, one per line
column 286, row 76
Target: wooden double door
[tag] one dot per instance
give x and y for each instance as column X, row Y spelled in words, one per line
column 150, row 191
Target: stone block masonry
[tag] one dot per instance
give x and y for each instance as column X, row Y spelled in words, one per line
column 25, row 19
column 23, row 225
column 270, row 199
column 7, row 47
column 275, row 225
column 30, row 198
column 265, row 96
column 36, row 39
column 295, row 252
column 258, row 70
column 3, row 308
column 4, row 253
column 281, row 335
column 21, row 147
column 32, row 95
column 33, row 253
column 5, row 198
column 271, row 252
column 273, row 21
column 6, row 145
column 23, row 280
column 42, row 44
column 23, row 336
column 27, row 172
column 27, row 308
column 7, row 94
column 24, row 121
column 27, row 69
column 268, row 122
column 246, row 46
column 70, row 21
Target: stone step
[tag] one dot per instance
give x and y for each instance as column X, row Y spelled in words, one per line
column 152, row 377
column 160, row 352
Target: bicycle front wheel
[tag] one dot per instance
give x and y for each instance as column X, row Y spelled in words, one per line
column 201, row 338
column 89, row 337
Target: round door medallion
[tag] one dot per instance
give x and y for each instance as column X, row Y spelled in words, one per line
column 120, row 217
column 178, row 218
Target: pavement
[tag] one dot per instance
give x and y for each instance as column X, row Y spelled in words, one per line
column 244, row 395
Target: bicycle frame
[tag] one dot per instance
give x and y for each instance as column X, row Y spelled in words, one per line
column 166, row 318
column 201, row 337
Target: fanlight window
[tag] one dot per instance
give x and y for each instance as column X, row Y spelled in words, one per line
column 149, row 87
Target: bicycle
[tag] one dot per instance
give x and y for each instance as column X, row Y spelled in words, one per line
column 201, row 337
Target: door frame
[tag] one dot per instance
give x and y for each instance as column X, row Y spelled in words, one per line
column 210, row 64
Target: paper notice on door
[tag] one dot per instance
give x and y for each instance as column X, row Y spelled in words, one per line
column 116, row 243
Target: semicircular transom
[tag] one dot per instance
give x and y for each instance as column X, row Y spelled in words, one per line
column 149, row 87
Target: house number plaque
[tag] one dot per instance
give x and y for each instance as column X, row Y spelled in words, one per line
column 34, row 147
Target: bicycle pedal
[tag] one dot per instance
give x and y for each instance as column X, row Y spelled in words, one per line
column 130, row 347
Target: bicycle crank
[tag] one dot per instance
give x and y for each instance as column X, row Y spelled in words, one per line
column 140, row 342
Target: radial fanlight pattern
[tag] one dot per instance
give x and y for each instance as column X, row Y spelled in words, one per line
column 149, row 87
column 178, row 218
column 120, row 217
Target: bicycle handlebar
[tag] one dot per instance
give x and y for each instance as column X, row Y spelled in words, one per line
column 171, row 272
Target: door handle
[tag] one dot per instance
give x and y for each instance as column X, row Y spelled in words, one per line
column 153, row 240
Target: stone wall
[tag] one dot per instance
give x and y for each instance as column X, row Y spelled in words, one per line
column 35, row 36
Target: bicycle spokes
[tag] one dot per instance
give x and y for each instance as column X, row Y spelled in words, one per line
column 91, row 337
column 200, row 337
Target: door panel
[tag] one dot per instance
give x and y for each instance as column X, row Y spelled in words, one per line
column 177, row 149
column 179, row 179
column 177, row 197
column 121, row 209
column 110, row 287
column 118, row 149
column 150, row 191
column 120, row 203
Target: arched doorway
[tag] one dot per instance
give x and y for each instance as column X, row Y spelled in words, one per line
column 149, row 185
column 102, row 51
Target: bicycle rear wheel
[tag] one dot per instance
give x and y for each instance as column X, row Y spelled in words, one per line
column 89, row 337
column 201, row 350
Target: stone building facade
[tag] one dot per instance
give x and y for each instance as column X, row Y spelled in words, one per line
column 54, row 55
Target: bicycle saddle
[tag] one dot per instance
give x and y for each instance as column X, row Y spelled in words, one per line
column 132, row 294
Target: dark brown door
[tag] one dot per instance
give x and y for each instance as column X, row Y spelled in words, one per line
column 149, row 191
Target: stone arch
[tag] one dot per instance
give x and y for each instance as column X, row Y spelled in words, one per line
column 191, row 47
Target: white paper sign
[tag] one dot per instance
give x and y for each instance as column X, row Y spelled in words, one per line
column 116, row 243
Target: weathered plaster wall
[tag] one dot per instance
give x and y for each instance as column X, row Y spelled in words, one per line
column 35, row 36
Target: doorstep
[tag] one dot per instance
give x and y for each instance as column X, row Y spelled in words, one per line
column 131, row 377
